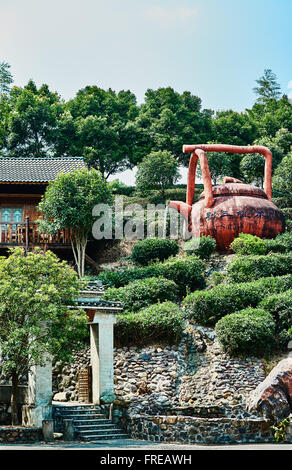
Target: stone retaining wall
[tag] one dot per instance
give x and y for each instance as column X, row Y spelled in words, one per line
column 196, row 372
column 194, row 430
column 9, row 434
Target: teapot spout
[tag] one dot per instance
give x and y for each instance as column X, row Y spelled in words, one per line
column 183, row 208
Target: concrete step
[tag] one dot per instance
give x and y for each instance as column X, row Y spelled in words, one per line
column 91, row 427
column 104, row 436
column 91, row 421
column 85, row 416
column 99, row 431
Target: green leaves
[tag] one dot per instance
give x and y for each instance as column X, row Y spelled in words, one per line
column 36, row 293
column 158, row 170
column 159, row 322
column 68, row 203
column 250, row 331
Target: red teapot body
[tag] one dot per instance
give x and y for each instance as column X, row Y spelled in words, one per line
column 226, row 210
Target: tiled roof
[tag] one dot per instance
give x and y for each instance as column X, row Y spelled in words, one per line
column 96, row 302
column 36, row 170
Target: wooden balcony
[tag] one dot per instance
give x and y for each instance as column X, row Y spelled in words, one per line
column 25, row 234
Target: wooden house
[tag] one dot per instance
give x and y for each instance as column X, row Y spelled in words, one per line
column 23, row 181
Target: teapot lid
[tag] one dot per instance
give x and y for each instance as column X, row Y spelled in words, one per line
column 236, row 189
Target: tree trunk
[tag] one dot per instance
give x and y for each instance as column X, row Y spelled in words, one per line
column 14, row 400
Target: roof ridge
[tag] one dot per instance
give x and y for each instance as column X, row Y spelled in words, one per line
column 41, row 158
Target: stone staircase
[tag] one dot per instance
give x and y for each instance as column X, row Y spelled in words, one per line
column 89, row 421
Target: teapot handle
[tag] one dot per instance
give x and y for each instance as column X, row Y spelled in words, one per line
column 199, row 151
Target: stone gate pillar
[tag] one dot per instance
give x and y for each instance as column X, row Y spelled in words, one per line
column 102, row 351
column 39, row 397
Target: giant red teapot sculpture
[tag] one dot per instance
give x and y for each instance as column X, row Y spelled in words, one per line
column 230, row 208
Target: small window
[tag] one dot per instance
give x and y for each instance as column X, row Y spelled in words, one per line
column 11, row 214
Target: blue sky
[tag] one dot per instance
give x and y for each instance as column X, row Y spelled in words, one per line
column 214, row 48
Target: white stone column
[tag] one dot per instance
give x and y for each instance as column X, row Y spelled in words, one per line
column 106, row 353
column 39, row 395
column 102, row 353
column 94, row 354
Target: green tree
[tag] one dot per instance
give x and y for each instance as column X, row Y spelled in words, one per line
column 6, row 78
column 268, row 88
column 36, row 321
column 99, row 125
column 231, row 128
column 157, row 171
column 168, row 119
column 32, row 121
column 68, row 203
column 282, row 180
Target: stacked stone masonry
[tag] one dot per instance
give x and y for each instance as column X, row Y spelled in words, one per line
column 196, row 372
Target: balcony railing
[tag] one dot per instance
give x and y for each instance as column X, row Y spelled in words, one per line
column 26, row 234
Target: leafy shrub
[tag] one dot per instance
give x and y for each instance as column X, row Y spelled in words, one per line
column 289, row 225
column 187, row 273
column 118, row 187
column 283, row 201
column 253, row 267
column 152, row 249
column 250, row 331
column 247, row 244
column 281, row 244
column 159, row 322
column 287, row 212
column 139, row 294
column 207, row 307
column 203, row 247
column 280, row 306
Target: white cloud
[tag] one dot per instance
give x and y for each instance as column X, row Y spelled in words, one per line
column 170, row 16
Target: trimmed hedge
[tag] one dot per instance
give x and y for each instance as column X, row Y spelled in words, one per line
column 207, row 307
column 160, row 322
column 254, row 267
column 152, row 249
column 141, row 293
column 203, row 247
column 187, row 273
column 247, row 244
column 280, row 306
column 250, row 331
column 281, row 244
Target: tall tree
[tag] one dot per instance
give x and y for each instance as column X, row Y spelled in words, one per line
column 32, row 121
column 6, row 78
column 68, row 203
column 99, row 125
column 268, row 88
column 230, row 127
column 168, row 119
column 36, row 321
column 157, row 171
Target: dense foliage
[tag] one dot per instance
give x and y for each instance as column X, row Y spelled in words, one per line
column 161, row 322
column 280, row 306
column 36, row 293
column 250, row 331
column 68, row 204
column 254, row 267
column 208, row 306
column 247, row 244
column 187, row 273
column 113, row 133
column 152, row 249
column 139, row 294
column 203, row 247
